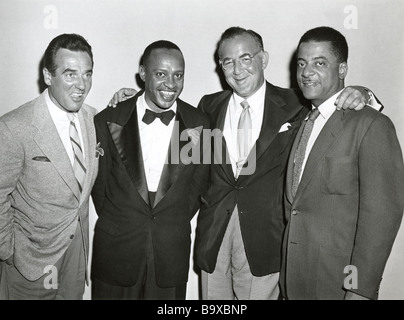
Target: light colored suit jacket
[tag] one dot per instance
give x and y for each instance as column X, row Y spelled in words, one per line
column 347, row 209
column 40, row 203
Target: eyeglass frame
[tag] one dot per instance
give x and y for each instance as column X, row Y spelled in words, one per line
column 238, row 59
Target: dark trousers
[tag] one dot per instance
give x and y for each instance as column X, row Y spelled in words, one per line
column 146, row 287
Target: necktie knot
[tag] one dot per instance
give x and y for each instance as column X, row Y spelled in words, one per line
column 165, row 116
column 314, row 114
column 70, row 116
column 245, row 105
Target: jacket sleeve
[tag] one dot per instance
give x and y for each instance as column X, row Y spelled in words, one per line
column 11, row 164
column 381, row 181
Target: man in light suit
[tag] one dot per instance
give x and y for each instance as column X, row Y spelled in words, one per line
column 149, row 185
column 45, row 183
column 343, row 216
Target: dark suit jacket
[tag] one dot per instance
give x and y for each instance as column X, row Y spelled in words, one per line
column 258, row 195
column 121, row 199
column 347, row 209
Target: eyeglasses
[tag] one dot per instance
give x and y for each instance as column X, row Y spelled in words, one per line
column 245, row 60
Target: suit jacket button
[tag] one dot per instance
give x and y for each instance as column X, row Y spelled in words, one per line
column 71, row 236
column 153, row 217
column 294, row 212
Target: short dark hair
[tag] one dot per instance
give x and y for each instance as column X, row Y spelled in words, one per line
column 232, row 32
column 327, row 34
column 72, row 41
column 160, row 44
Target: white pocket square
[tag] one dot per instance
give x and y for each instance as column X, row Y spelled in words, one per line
column 285, row 127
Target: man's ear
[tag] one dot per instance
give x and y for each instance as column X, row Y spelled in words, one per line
column 343, row 70
column 142, row 72
column 47, row 76
column 265, row 60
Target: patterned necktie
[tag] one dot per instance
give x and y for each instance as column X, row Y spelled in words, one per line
column 165, row 116
column 78, row 163
column 243, row 136
column 301, row 149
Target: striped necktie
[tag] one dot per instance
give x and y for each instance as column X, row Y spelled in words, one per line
column 78, row 163
column 243, row 136
column 301, row 149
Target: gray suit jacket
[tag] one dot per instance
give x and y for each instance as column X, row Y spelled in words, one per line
column 40, row 203
column 347, row 209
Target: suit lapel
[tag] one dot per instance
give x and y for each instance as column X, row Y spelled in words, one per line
column 325, row 142
column 89, row 141
column 48, row 140
column 126, row 138
column 219, row 151
column 174, row 165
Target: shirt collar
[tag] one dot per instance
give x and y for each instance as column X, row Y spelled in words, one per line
column 255, row 101
column 327, row 108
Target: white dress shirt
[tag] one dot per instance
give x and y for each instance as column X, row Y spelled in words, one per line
column 62, row 124
column 256, row 102
column 326, row 109
column 155, row 140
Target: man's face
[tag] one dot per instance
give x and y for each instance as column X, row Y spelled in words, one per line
column 244, row 79
column 319, row 74
column 163, row 75
column 72, row 80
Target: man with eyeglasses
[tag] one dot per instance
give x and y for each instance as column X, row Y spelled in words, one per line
column 241, row 222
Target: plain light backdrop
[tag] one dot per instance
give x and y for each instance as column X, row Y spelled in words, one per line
column 119, row 30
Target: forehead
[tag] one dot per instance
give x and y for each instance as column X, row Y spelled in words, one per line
column 314, row 49
column 237, row 46
column 67, row 58
column 165, row 57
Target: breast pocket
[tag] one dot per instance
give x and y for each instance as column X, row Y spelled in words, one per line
column 340, row 175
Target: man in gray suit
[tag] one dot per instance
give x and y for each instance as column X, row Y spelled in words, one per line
column 344, row 187
column 48, row 164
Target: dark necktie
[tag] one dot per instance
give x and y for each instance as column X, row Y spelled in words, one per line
column 165, row 116
column 78, row 164
column 301, row 149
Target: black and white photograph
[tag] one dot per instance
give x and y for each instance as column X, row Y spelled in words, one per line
column 201, row 151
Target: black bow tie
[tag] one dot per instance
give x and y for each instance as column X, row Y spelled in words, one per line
column 165, row 116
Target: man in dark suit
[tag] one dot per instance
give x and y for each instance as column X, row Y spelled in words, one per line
column 48, row 166
column 149, row 185
column 345, row 186
column 240, row 223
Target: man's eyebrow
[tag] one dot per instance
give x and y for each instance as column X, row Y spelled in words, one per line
column 75, row 70
column 315, row 58
column 69, row 70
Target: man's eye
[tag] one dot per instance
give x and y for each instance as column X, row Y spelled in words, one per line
column 300, row 64
column 160, row 74
column 69, row 75
column 179, row 76
column 320, row 63
column 246, row 59
column 227, row 62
